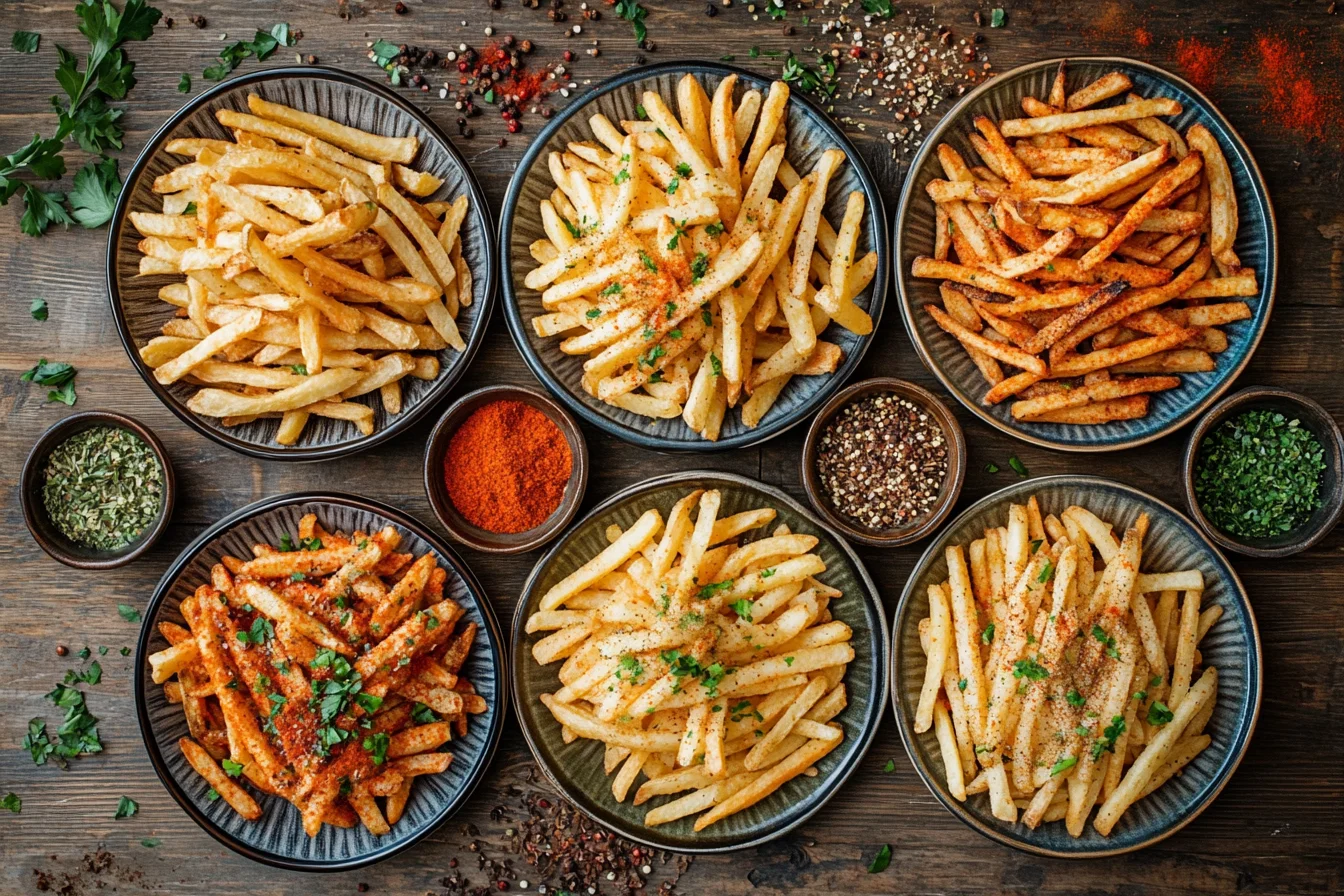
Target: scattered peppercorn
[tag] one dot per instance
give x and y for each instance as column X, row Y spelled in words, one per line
column 882, row 461
column 400, row 8
column 61, row 650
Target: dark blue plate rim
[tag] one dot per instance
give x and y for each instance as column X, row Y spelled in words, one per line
column 1259, row 191
column 768, row 428
column 1248, row 714
column 498, row 660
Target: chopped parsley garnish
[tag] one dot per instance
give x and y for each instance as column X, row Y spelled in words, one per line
column 699, row 267
column 670, row 309
column 881, row 860
column 713, row 588
column 12, row 803
column 77, row 734
column 890, row 766
column 613, row 290
column 634, row 13
column 25, row 41
column 961, row 684
column 621, row 176
column 377, row 745
column 91, row 675
column 714, row 229
column 629, row 668
column 38, row 309
column 261, row 631
column 1046, row 572
column 573, row 231
column 212, row 795
column 648, row 262
column 261, row 46
column 690, row 620
column 422, row 714
column 231, row 768
column 57, row 374
column 1035, row 545
column 987, row 636
column 1017, row 466
column 184, row 83
column 1030, row 669
column 1109, row 736
column 126, row 808
column 683, row 169
column 679, row 232
column 1063, row 765
column 742, row 608
column 593, row 313
column 1075, row 698
column 991, row 467
column 672, row 186
column 715, row 364
column 1159, row 714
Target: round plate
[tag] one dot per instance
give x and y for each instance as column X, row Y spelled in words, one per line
column 811, row 133
column 1232, row 645
column 576, row 769
column 278, row 837
column 349, row 99
column 1257, row 245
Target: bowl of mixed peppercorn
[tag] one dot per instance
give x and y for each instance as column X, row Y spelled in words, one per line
column 1264, row 472
column 884, row 462
column 97, row 490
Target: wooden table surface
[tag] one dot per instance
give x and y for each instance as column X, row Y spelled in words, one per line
column 1277, row 828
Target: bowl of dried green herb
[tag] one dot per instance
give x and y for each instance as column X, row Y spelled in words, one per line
column 97, row 490
column 1263, row 472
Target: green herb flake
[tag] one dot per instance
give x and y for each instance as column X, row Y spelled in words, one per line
column 987, row 636
column 1259, row 474
column 1159, row 713
column 1075, row 698
column 212, row 795
column 881, row 860
column 634, row 13
column 612, row 290
column 38, row 309
column 25, row 41
column 60, row 376
column 1063, row 765
column 742, row 608
column 1030, row 669
column 126, row 808
column 1018, row 466
column 991, row 467
column 890, row 766
column 128, row 612
column 880, row 8
column 151, row 842
column 184, row 83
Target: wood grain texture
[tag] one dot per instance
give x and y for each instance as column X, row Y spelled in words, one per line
column 1277, row 827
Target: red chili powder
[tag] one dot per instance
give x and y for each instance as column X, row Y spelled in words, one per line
column 1199, row 61
column 506, row 467
column 1142, row 37
column 1296, row 99
column 517, row 82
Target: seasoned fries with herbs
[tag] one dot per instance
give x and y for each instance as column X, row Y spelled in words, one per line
column 326, row 670
column 312, row 272
column 690, row 262
column 1056, row 686
column 1089, row 261
column 709, row 667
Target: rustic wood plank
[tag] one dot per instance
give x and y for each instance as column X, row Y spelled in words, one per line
column 1277, row 827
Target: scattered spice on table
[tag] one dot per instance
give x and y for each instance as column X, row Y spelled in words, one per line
column 1200, row 62
column 102, row 487
column 905, row 66
column 882, row 461
column 500, row 74
column 1258, row 474
column 506, row 467
column 1303, row 94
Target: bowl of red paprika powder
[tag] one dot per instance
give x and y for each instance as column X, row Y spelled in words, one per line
column 505, row 469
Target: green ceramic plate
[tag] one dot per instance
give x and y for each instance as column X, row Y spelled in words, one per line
column 576, row 769
column 1232, row 646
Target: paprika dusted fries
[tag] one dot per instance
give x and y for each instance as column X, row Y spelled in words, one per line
column 689, row 261
column 313, row 275
column 1055, row 686
column 709, row 666
column 1072, row 258
column 325, row 670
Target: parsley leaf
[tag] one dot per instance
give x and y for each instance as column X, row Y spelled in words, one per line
column 184, row 83
column 1075, row 698
column 878, row 8
column 742, row 608
column 377, row 745
column 987, row 636
column 25, row 41
column 126, row 808
column 128, row 612
column 1030, row 669
column 634, row 13
column 94, row 195
column 38, row 309
column 1159, row 713
column 1063, row 765
column 12, row 803
column 881, row 860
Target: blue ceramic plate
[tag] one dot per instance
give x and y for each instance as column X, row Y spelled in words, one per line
column 811, row 132
column 1257, row 245
column 1232, row 645
column 278, row 837
column 576, row 768
column 350, row 99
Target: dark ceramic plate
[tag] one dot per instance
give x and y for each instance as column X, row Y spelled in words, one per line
column 1257, row 245
column 811, row 133
column 576, row 769
column 349, row 99
column 278, row 837
column 1232, row 645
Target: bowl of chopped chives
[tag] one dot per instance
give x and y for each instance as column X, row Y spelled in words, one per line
column 1264, row 472
column 97, row 490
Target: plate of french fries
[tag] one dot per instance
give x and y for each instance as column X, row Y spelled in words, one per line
column 1087, row 253
column 302, row 264
column 696, row 257
column 1077, row 668
column 319, row 681
column 699, row 663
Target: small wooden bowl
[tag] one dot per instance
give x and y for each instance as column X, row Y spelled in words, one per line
column 1314, row 418
column 483, row 539
column 48, row 537
column 956, row 463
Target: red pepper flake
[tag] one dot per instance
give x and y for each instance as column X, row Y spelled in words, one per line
column 1142, row 37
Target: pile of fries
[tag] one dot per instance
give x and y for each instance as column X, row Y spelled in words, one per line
column 690, row 261
column 1086, row 253
column 1050, row 684
column 703, row 664
column 312, row 273
column 325, row 671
